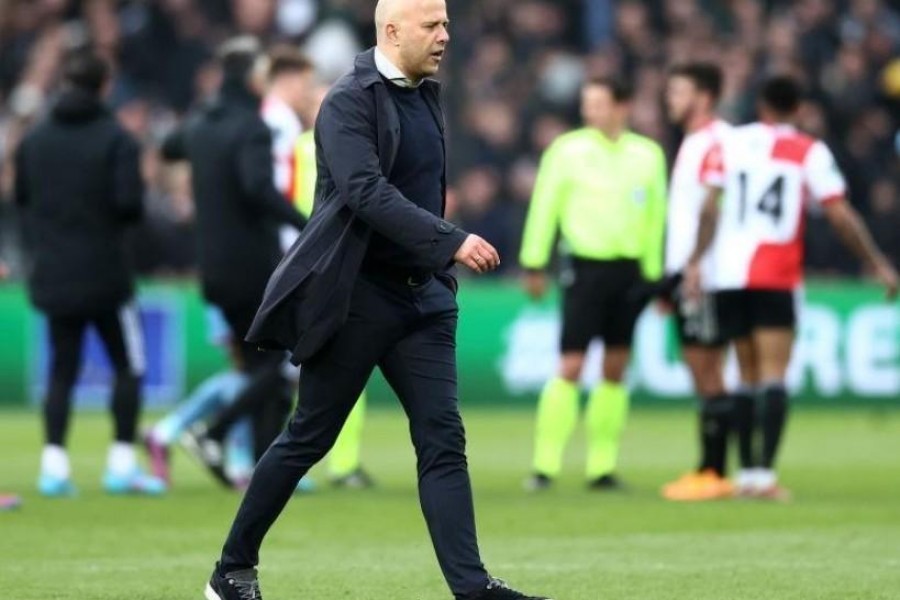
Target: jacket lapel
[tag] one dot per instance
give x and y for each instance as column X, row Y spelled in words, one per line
column 388, row 128
column 431, row 90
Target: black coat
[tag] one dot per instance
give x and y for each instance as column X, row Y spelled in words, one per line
column 238, row 208
column 357, row 137
column 79, row 185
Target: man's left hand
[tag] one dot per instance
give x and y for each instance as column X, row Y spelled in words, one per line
column 536, row 284
column 478, row 255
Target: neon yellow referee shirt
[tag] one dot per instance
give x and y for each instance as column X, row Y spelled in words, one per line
column 606, row 198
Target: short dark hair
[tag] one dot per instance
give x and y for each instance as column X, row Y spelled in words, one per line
column 706, row 76
column 237, row 56
column 782, row 94
column 86, row 71
column 287, row 59
column 621, row 90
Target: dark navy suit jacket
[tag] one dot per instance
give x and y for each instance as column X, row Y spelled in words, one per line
column 357, row 137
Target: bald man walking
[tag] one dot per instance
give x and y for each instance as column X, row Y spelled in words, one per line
column 369, row 284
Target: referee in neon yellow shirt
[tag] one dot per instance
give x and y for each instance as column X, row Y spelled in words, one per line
column 344, row 466
column 603, row 189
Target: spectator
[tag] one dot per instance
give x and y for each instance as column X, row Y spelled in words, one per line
column 884, row 216
column 79, row 188
column 480, row 209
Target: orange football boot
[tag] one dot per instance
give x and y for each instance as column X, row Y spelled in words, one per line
column 699, row 486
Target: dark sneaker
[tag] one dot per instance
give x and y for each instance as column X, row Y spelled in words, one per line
column 498, row 590
column 208, row 452
column 606, row 483
column 537, row 482
column 237, row 585
column 357, row 480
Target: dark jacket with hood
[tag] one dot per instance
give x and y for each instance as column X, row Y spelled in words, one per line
column 238, row 208
column 357, row 140
column 79, row 185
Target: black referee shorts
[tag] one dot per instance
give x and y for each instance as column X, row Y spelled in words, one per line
column 600, row 299
column 743, row 311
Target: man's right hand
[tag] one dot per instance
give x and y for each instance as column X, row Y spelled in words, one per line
column 887, row 276
column 478, row 255
column 4, row 270
column 691, row 284
column 536, row 284
column 665, row 307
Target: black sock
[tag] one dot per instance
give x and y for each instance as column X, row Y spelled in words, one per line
column 774, row 417
column 715, row 419
column 745, row 425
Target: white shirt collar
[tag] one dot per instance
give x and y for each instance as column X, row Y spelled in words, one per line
column 390, row 71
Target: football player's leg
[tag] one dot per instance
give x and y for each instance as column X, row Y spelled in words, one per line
column 121, row 334
column 607, row 411
column 557, row 415
column 66, row 335
column 775, row 354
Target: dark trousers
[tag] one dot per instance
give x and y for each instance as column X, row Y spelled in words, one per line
column 267, row 397
column 410, row 334
column 120, row 332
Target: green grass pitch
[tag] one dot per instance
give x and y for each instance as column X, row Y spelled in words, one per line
column 839, row 539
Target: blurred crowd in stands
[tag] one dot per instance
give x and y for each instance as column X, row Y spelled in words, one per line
column 512, row 81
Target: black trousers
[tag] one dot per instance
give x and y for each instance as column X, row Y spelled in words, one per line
column 267, row 397
column 410, row 334
column 120, row 332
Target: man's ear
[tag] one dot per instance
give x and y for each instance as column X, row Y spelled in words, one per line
column 393, row 33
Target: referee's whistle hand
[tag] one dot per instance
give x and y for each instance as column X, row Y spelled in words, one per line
column 478, row 255
column 536, row 284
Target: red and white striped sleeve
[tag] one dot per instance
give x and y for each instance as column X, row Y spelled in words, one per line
column 824, row 179
column 712, row 167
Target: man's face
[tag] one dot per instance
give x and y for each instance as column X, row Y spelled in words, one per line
column 422, row 36
column 600, row 110
column 298, row 87
column 682, row 99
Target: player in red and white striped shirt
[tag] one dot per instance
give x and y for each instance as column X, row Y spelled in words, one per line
column 289, row 77
column 762, row 179
column 692, row 94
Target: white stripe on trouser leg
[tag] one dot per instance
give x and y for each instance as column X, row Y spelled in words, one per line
column 134, row 338
column 710, row 318
column 799, row 303
column 210, row 593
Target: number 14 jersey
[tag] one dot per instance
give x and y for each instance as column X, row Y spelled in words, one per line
column 769, row 174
